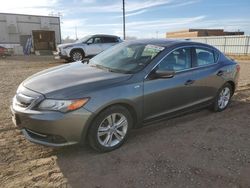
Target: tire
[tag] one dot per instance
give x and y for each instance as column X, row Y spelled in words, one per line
column 76, row 55
column 104, row 132
column 222, row 100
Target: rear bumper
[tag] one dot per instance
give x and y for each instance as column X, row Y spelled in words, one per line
column 51, row 128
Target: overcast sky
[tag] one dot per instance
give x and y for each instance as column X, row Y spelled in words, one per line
column 144, row 19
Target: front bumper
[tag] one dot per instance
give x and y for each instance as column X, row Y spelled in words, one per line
column 58, row 55
column 51, row 128
column 61, row 54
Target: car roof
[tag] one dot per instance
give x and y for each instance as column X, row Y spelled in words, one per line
column 104, row 35
column 167, row 42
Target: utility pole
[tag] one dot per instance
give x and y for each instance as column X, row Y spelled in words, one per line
column 123, row 12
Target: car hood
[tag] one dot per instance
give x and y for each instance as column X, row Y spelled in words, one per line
column 65, row 44
column 72, row 80
column 69, row 44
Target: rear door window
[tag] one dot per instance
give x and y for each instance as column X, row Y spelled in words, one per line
column 216, row 56
column 204, row 57
column 109, row 39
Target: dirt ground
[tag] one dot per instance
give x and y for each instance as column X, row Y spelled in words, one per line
column 202, row 149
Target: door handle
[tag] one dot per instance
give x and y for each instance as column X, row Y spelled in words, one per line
column 220, row 73
column 189, row 82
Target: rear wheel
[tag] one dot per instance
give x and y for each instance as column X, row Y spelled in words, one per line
column 110, row 129
column 76, row 55
column 223, row 98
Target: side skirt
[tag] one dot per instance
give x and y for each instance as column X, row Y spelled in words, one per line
column 176, row 113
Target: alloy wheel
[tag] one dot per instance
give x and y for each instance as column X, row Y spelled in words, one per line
column 112, row 130
column 224, row 98
column 77, row 56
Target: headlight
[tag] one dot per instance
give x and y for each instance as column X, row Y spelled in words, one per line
column 62, row 105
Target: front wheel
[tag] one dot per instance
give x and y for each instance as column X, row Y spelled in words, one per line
column 110, row 129
column 76, row 55
column 223, row 98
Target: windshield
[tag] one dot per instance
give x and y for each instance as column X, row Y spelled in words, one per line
column 84, row 39
column 126, row 58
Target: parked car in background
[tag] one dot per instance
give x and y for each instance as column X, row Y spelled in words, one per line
column 3, row 51
column 88, row 46
column 129, row 85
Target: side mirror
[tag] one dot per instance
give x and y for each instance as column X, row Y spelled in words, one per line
column 164, row 74
column 88, row 43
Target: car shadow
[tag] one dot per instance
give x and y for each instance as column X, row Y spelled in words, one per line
column 128, row 165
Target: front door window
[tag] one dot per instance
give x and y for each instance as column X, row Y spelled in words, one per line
column 177, row 60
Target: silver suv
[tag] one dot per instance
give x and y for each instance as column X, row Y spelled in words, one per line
column 90, row 45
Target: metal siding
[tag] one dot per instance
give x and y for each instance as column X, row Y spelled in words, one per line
column 12, row 25
column 45, row 23
column 26, row 28
column 24, row 25
column 4, row 37
column 32, row 19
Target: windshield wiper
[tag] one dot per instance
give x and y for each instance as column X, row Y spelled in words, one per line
column 100, row 67
column 116, row 71
column 108, row 69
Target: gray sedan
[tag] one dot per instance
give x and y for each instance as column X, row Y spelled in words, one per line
column 127, row 86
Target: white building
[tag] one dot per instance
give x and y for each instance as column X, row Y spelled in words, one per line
column 17, row 30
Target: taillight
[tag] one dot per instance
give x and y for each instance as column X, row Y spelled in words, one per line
column 238, row 68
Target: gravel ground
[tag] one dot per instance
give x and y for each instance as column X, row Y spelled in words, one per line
column 202, row 149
